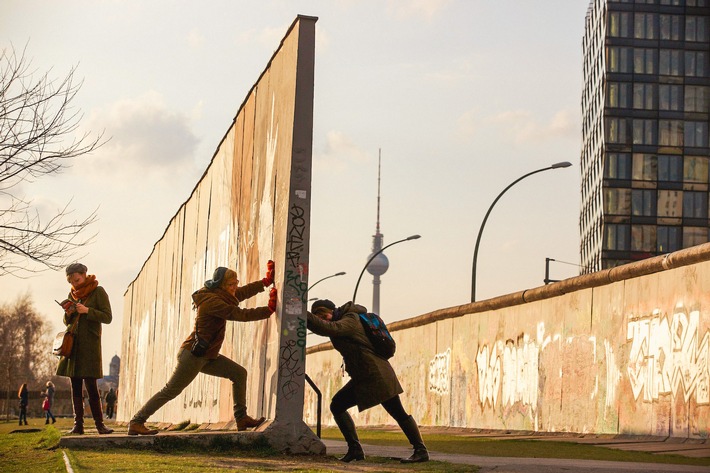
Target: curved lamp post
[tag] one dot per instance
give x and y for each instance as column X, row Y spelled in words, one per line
column 564, row 164
column 413, row 237
column 342, row 273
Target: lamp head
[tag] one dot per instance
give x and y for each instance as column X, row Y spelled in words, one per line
column 413, row 237
column 563, row 164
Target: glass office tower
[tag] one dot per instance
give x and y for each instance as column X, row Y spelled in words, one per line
column 646, row 110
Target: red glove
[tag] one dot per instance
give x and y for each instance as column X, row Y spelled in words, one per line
column 269, row 279
column 272, row 300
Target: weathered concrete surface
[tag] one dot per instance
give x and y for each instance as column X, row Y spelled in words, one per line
column 622, row 351
column 251, row 205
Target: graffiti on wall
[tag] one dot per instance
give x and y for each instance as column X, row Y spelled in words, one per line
column 511, row 368
column 439, row 373
column 668, row 356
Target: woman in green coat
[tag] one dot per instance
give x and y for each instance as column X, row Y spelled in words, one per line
column 372, row 379
column 87, row 308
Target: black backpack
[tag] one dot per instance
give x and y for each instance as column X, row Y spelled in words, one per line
column 378, row 334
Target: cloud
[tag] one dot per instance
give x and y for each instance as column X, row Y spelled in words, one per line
column 528, row 128
column 145, row 137
column 422, row 9
column 340, row 151
column 267, row 37
column 195, row 39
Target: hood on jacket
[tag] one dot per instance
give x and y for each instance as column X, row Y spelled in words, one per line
column 352, row 307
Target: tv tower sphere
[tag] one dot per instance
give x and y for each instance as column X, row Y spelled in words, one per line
column 379, row 265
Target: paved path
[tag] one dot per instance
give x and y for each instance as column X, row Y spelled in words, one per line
column 521, row 465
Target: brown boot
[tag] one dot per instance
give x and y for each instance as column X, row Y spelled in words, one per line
column 247, row 422
column 95, row 405
column 139, row 428
column 78, row 404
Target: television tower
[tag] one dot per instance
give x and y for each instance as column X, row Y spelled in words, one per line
column 380, row 264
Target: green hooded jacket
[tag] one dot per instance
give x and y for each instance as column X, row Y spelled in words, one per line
column 85, row 360
column 374, row 378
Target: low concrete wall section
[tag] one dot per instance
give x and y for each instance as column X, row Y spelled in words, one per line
column 620, row 351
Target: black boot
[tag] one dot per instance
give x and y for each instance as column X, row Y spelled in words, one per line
column 411, row 430
column 78, row 403
column 347, row 427
column 95, row 405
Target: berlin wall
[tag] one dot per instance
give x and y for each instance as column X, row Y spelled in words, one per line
column 251, row 205
column 621, row 351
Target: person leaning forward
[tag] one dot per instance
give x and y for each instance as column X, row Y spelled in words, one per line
column 217, row 302
column 372, row 378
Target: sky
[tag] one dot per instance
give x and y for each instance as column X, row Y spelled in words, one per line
column 460, row 98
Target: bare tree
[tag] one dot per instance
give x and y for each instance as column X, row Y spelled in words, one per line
column 38, row 123
column 25, row 347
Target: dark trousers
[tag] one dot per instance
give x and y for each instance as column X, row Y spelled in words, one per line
column 109, row 410
column 23, row 413
column 91, row 389
column 346, row 398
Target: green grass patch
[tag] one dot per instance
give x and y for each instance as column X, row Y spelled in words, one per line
column 515, row 448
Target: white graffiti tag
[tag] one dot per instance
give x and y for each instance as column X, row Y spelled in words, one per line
column 439, row 373
column 666, row 357
column 488, row 364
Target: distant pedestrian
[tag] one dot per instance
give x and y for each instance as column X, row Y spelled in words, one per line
column 50, row 403
column 110, row 402
column 90, row 309
column 372, row 379
column 24, row 396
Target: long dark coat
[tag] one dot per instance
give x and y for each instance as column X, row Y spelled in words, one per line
column 85, row 360
column 374, row 379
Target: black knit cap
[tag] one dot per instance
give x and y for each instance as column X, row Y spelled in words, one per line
column 216, row 278
column 322, row 303
column 76, row 268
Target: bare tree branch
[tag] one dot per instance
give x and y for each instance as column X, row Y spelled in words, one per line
column 38, row 123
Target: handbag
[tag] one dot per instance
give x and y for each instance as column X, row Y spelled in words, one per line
column 64, row 341
column 45, row 404
column 199, row 346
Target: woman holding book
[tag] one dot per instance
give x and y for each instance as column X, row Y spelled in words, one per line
column 87, row 309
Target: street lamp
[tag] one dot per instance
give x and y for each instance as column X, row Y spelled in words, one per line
column 342, row 273
column 413, row 237
column 563, row 164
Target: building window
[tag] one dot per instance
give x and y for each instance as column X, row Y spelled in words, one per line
column 643, row 203
column 670, row 203
column 668, row 239
column 616, row 131
column 696, row 134
column 644, row 96
column 696, row 63
column 694, row 236
column 643, row 237
column 644, row 167
column 672, row 2
column 670, row 27
column 671, row 132
column 670, row 168
column 620, row 25
column 618, row 95
column 670, row 62
column 644, row 61
column 616, row 237
column 696, row 29
column 697, row 98
column 695, row 204
column 695, row 169
column 670, row 97
column 617, row 201
column 620, row 59
column 644, row 132
column 645, row 26
column 617, row 166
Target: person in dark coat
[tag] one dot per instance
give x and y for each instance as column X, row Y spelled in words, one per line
column 372, row 378
column 110, row 402
column 89, row 308
column 50, row 402
column 24, row 396
column 216, row 303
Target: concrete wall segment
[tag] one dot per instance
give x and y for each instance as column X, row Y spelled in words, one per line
column 625, row 351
